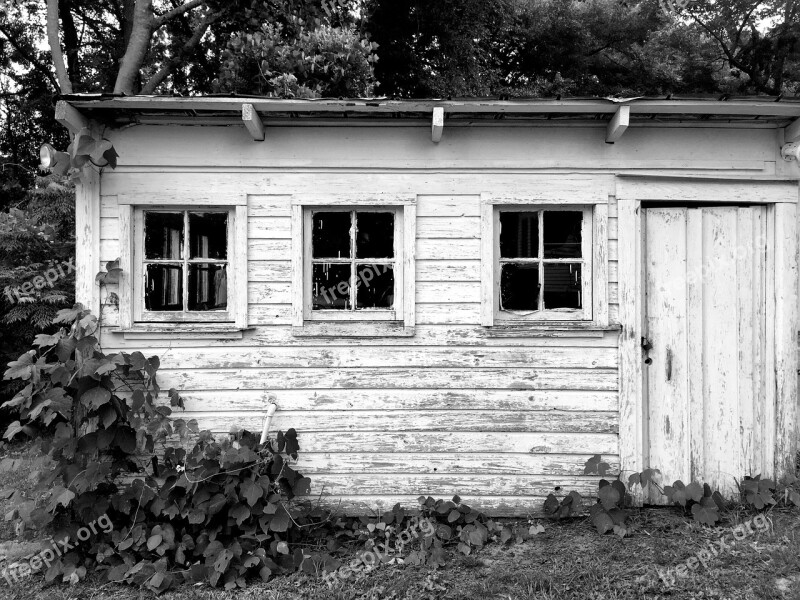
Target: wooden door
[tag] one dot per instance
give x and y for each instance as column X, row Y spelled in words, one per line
column 705, row 286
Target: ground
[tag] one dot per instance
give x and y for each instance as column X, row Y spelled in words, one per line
column 568, row 561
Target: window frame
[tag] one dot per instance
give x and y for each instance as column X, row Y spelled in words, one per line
column 366, row 314
column 594, row 241
column 132, row 317
column 583, row 314
column 141, row 314
column 365, row 322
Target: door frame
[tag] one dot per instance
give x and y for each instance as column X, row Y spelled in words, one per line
column 781, row 198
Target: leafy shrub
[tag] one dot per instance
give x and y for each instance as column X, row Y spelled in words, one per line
column 609, row 512
column 299, row 62
column 218, row 513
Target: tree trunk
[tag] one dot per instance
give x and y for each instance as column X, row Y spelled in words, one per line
column 55, row 47
column 71, row 43
column 136, row 50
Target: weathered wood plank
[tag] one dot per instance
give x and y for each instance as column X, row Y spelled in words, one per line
column 722, row 448
column 495, row 506
column 400, row 399
column 748, row 335
column 694, row 342
column 443, row 486
column 448, row 205
column 666, row 329
column 447, row 463
column 448, row 249
column 412, row 378
column 327, row 356
column 632, row 422
column 424, row 335
column 786, row 321
column 449, row 227
column 460, row 442
column 306, row 422
column 274, row 228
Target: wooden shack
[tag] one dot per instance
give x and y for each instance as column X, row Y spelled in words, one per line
column 466, row 297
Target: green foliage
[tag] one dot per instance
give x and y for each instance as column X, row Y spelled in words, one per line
column 299, row 62
column 218, row 513
column 610, row 511
column 33, row 239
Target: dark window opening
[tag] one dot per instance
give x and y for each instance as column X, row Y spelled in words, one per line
column 352, row 260
column 186, row 261
column 541, row 260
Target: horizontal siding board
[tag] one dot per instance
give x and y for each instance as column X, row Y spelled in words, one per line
column 448, row 270
column 448, row 205
column 389, row 356
column 496, row 506
column 308, row 422
column 449, row 227
column 440, row 486
column 409, row 400
column 448, row 463
column 424, row 335
column 412, row 378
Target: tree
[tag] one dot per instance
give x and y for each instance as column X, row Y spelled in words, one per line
column 759, row 40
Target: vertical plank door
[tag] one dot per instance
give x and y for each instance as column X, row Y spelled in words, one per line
column 705, row 302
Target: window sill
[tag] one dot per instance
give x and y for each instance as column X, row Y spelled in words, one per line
column 550, row 329
column 181, row 331
column 353, row 329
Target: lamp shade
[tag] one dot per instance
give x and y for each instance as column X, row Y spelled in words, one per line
column 47, row 156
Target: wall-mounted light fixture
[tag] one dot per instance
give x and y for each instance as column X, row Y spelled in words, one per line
column 53, row 160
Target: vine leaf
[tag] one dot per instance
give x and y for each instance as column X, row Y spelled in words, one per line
column 609, row 497
column 705, row 514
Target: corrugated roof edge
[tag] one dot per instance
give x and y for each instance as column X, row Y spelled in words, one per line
column 751, row 106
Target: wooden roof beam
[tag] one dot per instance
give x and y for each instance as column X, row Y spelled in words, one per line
column 791, row 133
column 437, row 125
column 70, row 117
column 619, row 124
column 253, row 122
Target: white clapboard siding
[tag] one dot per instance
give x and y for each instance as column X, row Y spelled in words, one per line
column 502, row 420
column 396, row 400
column 446, row 463
column 306, row 422
column 327, row 356
column 398, row 377
column 424, row 335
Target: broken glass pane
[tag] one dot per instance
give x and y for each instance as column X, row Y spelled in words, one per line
column 208, row 287
column 375, row 235
column 208, row 236
column 330, row 287
column 163, row 235
column 562, row 234
column 519, row 287
column 519, row 235
column 375, row 286
column 164, row 287
column 562, row 286
column 330, row 235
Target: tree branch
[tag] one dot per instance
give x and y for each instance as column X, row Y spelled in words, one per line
column 176, row 12
column 30, row 59
column 136, row 48
column 65, row 84
column 186, row 50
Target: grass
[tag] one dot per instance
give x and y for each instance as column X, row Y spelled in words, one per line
column 569, row 561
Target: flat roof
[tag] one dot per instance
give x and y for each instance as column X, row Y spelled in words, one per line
column 119, row 110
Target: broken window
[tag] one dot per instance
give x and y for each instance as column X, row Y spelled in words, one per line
column 541, row 260
column 185, row 261
column 352, row 260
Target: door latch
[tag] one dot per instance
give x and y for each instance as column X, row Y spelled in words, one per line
column 646, row 347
